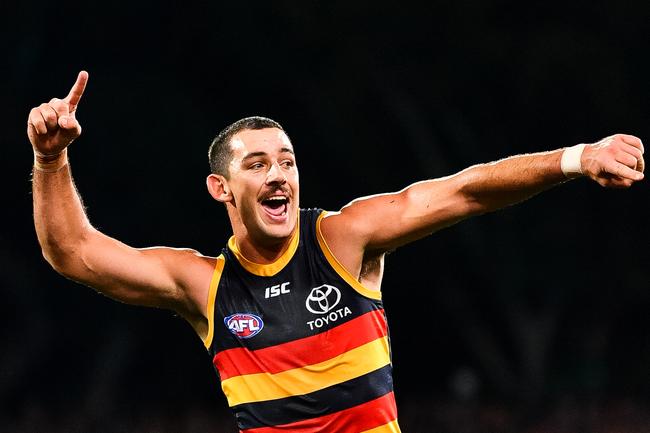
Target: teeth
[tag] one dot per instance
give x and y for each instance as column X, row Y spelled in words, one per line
column 277, row 198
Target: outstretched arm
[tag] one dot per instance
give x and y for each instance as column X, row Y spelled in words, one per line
column 379, row 223
column 162, row 277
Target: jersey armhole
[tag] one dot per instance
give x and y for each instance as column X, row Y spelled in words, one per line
column 338, row 267
column 212, row 297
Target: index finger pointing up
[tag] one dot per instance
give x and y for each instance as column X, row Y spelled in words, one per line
column 77, row 90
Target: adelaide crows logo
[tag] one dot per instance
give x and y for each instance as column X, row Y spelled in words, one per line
column 244, row 325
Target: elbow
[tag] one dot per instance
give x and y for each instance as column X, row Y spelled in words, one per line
column 474, row 201
column 61, row 261
column 64, row 257
column 462, row 199
column 476, row 207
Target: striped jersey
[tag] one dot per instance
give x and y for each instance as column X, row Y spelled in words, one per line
column 299, row 344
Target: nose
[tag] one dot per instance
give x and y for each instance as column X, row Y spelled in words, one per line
column 275, row 175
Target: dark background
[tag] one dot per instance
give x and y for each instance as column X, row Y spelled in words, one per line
column 534, row 318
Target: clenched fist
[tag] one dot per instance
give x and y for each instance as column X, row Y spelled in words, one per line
column 52, row 126
column 615, row 161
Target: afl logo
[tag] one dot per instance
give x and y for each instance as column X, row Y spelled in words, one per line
column 323, row 299
column 244, row 325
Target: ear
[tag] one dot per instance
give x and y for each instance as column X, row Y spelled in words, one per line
column 218, row 188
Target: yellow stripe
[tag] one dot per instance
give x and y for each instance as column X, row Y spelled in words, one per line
column 266, row 386
column 212, row 296
column 270, row 269
column 338, row 267
column 391, row 427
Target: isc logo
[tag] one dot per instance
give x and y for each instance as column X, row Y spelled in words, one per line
column 277, row 290
column 244, row 325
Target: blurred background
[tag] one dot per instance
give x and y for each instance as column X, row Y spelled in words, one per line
column 531, row 319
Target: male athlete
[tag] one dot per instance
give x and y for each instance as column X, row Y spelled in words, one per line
column 291, row 310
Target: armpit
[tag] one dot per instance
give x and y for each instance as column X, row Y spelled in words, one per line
column 372, row 270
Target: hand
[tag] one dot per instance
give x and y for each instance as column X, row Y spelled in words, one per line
column 615, row 161
column 53, row 126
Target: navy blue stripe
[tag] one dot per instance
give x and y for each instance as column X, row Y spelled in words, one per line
column 316, row 404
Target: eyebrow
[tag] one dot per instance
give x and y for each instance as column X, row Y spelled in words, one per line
column 261, row 153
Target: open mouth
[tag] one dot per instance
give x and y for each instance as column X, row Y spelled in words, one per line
column 276, row 206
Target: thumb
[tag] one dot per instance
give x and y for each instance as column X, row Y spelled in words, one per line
column 67, row 122
column 69, row 125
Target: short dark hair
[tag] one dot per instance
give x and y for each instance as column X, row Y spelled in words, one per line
column 220, row 152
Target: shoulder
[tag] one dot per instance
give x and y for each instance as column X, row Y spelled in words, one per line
column 344, row 223
column 193, row 273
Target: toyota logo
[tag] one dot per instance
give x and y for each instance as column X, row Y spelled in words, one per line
column 323, row 299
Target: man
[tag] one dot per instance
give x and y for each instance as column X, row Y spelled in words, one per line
column 291, row 310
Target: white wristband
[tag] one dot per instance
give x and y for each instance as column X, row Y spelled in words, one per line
column 570, row 162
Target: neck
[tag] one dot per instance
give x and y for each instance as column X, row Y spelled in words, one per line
column 258, row 249
column 262, row 253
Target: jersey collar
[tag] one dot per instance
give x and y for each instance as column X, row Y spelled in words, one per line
column 269, row 269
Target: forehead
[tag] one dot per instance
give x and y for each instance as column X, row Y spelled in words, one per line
column 269, row 140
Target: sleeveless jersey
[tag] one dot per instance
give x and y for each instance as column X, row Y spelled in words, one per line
column 299, row 344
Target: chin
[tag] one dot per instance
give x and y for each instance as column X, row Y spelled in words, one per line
column 279, row 230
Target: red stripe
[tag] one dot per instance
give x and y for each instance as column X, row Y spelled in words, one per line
column 305, row 351
column 363, row 417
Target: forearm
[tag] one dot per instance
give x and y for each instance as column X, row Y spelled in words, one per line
column 491, row 186
column 59, row 217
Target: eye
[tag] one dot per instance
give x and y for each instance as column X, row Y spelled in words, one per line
column 256, row 166
column 287, row 163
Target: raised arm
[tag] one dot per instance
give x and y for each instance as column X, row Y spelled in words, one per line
column 375, row 224
column 162, row 277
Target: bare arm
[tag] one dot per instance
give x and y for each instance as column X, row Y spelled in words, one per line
column 161, row 277
column 383, row 222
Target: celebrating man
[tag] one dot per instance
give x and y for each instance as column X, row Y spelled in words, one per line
column 291, row 311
